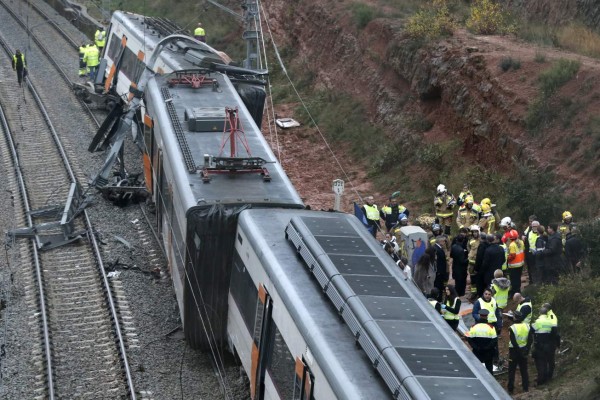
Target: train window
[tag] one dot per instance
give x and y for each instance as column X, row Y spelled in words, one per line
column 303, row 381
column 243, row 291
column 114, row 46
column 281, row 365
column 129, row 63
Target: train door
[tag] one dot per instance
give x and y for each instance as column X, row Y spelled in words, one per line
column 304, row 381
column 262, row 342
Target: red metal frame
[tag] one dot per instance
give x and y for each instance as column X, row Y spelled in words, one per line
column 195, row 80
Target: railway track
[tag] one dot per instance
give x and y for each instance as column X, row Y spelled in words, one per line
column 83, row 352
column 53, row 61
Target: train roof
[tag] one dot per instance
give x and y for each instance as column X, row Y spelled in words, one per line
column 434, row 361
column 150, row 30
column 186, row 118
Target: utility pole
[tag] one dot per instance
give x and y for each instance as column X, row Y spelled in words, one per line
column 251, row 35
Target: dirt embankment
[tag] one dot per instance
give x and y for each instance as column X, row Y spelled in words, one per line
column 456, row 84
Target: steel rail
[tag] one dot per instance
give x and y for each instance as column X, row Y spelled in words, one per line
column 108, row 292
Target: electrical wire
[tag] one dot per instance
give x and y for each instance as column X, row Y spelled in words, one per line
column 285, row 72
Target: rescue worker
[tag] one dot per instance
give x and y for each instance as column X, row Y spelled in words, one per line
column 451, row 307
column 530, row 237
column 468, row 213
column 372, row 214
column 83, row 71
column 506, row 225
column 493, row 210
column 552, row 256
column 521, row 339
column 100, row 39
column 444, row 204
column 92, row 59
column 487, row 302
column 500, row 288
column 462, row 196
column 574, row 250
column 523, row 306
column 391, row 212
column 547, row 340
column 487, row 222
column 565, row 226
column 433, row 300
column 484, row 340
column 515, row 259
column 20, row 65
column 199, row 33
column 472, row 247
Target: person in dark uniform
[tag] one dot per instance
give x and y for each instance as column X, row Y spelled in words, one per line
column 19, row 65
column 521, row 339
column 484, row 340
column 547, row 340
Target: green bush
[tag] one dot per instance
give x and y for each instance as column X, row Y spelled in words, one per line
column 489, row 18
column 508, row 62
column 431, row 22
column 590, row 232
column 532, row 191
column 561, row 72
column 362, row 14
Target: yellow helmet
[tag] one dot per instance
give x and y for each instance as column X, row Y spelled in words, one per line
column 486, row 201
column 469, row 199
column 567, row 215
column 485, row 208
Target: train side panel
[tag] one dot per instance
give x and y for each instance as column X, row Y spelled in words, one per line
column 307, row 332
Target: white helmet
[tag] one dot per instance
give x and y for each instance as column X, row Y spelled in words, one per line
column 474, row 228
column 441, row 188
column 506, row 221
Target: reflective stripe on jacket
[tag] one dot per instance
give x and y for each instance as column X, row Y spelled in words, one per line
column 372, row 212
column 100, row 38
column 521, row 332
column 448, row 314
column 501, row 295
column 516, row 254
column 491, row 307
column 543, row 324
column 482, row 330
column 527, row 319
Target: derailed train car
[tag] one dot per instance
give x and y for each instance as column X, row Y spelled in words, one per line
column 291, row 291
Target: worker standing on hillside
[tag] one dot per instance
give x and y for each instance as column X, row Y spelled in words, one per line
column 472, row 247
column 515, row 259
column 484, row 340
column 521, row 339
column 444, row 204
column 529, row 239
column 200, row 33
column 468, row 213
column 487, row 222
column 372, row 214
column 391, row 212
column 100, row 39
column 19, row 65
column 466, row 192
column 493, row 210
column 565, row 227
column 92, row 59
column 547, row 340
column 524, row 306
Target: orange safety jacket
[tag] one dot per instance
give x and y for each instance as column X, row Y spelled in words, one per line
column 516, row 254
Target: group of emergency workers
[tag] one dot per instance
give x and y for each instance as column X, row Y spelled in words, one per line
column 487, row 256
column 90, row 53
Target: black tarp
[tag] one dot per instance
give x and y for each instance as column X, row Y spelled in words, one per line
column 211, row 233
column 254, row 99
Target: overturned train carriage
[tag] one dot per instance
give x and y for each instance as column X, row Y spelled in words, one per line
column 292, row 291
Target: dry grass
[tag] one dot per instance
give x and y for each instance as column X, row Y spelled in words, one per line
column 579, row 39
